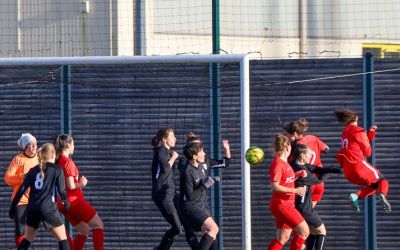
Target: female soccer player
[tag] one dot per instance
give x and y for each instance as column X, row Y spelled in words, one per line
column 302, row 155
column 296, row 131
column 206, row 166
column 163, row 187
column 355, row 148
column 282, row 205
column 44, row 181
column 14, row 177
column 195, row 183
column 81, row 215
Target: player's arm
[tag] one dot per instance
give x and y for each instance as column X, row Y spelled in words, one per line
column 60, row 185
column 276, row 187
column 72, row 185
column 11, row 177
column 363, row 142
column 21, row 191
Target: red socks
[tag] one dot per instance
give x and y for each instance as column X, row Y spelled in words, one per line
column 98, row 239
column 383, row 187
column 18, row 240
column 275, row 245
column 79, row 242
column 297, row 242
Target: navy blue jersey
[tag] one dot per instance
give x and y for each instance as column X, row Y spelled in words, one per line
column 162, row 173
column 43, row 191
column 193, row 192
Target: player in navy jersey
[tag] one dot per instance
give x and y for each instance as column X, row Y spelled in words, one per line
column 206, row 166
column 195, row 183
column 45, row 181
column 163, row 187
column 302, row 155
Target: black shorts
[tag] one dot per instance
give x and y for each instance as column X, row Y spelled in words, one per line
column 51, row 218
column 166, row 206
column 312, row 218
column 195, row 217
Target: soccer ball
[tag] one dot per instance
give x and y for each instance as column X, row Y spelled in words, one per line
column 254, row 155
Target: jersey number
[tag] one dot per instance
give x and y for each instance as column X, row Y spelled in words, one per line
column 345, row 143
column 313, row 157
column 38, row 182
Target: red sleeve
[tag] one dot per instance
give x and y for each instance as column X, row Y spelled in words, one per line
column 70, row 169
column 321, row 145
column 371, row 134
column 363, row 142
column 275, row 172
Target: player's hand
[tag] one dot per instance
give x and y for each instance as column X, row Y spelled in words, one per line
column 301, row 173
column 83, row 181
column 174, row 155
column 67, row 206
column 373, row 128
column 11, row 213
column 209, row 182
column 301, row 191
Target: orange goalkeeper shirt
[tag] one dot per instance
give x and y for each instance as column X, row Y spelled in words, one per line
column 16, row 171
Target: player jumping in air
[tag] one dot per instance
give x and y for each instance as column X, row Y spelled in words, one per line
column 355, row 148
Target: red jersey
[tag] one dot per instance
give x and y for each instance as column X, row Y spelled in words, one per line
column 70, row 169
column 355, row 145
column 316, row 146
column 280, row 171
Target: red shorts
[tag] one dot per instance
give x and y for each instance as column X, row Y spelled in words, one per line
column 286, row 216
column 317, row 192
column 362, row 173
column 80, row 211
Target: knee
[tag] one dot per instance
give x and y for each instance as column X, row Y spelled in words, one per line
column 320, row 230
column 303, row 231
column 96, row 222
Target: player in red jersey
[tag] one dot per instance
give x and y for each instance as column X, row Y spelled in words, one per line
column 355, row 148
column 296, row 131
column 81, row 215
column 282, row 203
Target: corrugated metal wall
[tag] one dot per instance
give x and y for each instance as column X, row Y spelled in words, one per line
column 117, row 109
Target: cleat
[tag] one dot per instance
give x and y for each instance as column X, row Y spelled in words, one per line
column 386, row 205
column 354, row 202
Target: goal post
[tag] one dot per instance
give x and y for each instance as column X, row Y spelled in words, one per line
column 242, row 60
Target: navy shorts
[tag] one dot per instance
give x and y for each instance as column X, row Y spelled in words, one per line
column 195, row 217
column 51, row 218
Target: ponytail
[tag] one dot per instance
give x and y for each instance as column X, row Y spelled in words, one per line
column 44, row 154
column 161, row 134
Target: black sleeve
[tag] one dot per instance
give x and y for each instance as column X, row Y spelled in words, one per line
column 219, row 163
column 190, row 192
column 326, row 170
column 22, row 189
column 60, row 184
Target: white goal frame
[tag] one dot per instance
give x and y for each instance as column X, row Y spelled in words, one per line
column 244, row 103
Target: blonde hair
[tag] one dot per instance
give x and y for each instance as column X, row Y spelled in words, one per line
column 45, row 153
column 281, row 142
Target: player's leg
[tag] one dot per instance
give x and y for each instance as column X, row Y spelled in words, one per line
column 210, row 230
column 19, row 220
column 30, row 234
column 170, row 214
column 282, row 236
column 60, row 234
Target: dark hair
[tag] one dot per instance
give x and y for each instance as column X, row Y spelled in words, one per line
column 61, row 142
column 345, row 116
column 191, row 149
column 161, row 134
column 281, row 142
column 299, row 150
column 44, row 154
column 191, row 137
column 300, row 126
